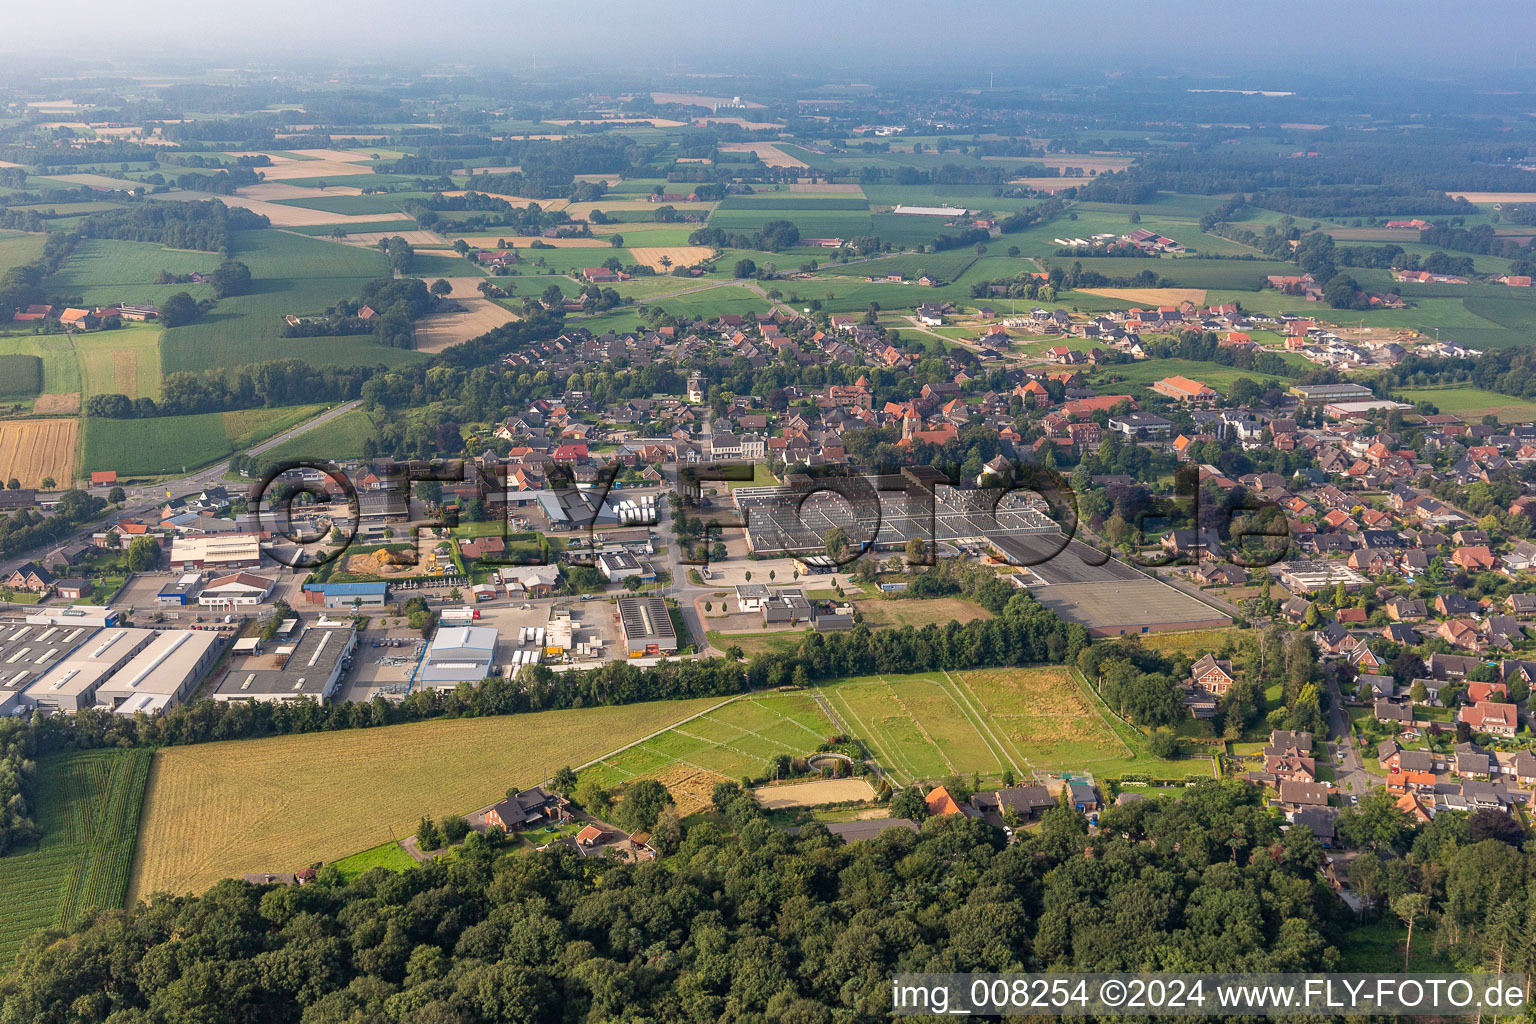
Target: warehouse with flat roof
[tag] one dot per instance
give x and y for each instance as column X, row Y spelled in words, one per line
column 164, row 672
column 27, row 650
column 647, row 626
column 308, row 670
column 71, row 683
column 457, row 654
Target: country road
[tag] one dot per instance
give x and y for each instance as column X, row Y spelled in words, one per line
column 147, row 497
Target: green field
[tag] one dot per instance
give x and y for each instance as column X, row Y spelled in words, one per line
column 106, row 271
column 88, row 810
column 61, row 370
column 1137, row 378
column 1472, row 403
column 18, row 249
column 987, row 721
column 355, row 206
column 918, row 727
column 124, row 361
column 1232, row 275
column 164, row 444
column 340, row 438
column 946, row 266
column 729, row 742
column 292, row 274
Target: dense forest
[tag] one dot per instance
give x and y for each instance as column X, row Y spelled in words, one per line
column 177, row 225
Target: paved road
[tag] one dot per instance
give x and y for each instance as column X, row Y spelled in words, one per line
column 1351, row 776
column 148, row 497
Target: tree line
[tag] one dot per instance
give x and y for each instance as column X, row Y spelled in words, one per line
column 743, row 923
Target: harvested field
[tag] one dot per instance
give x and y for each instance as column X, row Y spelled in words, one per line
column 60, row 404
column 770, row 154
column 1152, row 296
column 740, row 122
column 1495, row 197
column 691, row 788
column 524, row 241
column 1047, row 184
column 337, row 164
column 658, row 122
column 33, row 449
column 271, row 191
column 463, row 287
column 810, row 794
column 368, row 239
column 679, row 255
column 827, row 188
column 289, row 216
column 215, row 810
column 444, row 330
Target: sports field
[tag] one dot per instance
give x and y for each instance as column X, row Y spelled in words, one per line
column 1473, row 403
column 729, row 743
column 987, row 721
column 88, row 810
column 219, row 809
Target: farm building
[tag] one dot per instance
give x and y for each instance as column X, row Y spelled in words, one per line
column 647, row 626
column 308, row 670
column 457, row 654
column 525, row 809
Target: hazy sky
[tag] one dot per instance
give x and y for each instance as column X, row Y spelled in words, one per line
column 1221, row 35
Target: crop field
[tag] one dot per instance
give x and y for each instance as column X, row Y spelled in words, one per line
column 106, row 271
column 219, row 809
column 1138, row 378
column 18, row 249
column 813, row 223
column 124, row 362
column 946, row 266
column 21, row 375
column 291, row 274
column 794, row 201
column 1472, row 404
column 730, row 742
column 988, row 721
column 88, row 811
column 164, row 444
column 31, row 450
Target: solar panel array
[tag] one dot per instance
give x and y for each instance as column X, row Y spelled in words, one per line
column 788, row 520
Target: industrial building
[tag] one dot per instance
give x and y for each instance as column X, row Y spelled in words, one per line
column 647, row 626
column 29, row 649
column 347, row 596
column 308, row 670
column 457, row 654
column 179, row 592
column 888, row 511
column 165, row 671
column 216, row 551
column 237, row 590
column 71, row 683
